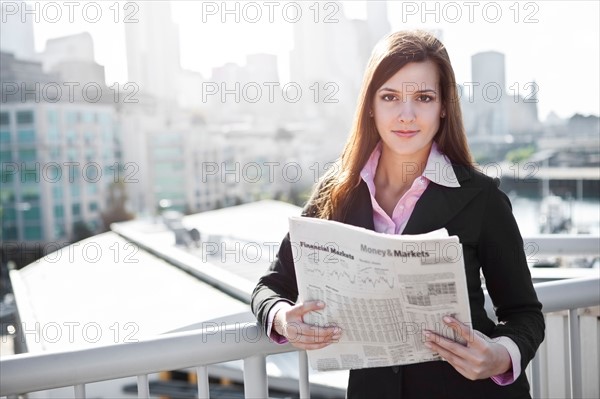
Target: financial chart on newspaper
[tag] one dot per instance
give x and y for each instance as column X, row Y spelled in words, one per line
column 381, row 290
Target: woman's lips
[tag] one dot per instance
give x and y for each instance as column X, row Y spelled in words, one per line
column 405, row 133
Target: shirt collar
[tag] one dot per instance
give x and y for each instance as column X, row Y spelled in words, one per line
column 438, row 169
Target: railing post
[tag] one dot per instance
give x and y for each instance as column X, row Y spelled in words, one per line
column 203, row 385
column 79, row 391
column 575, row 353
column 535, row 376
column 304, row 386
column 143, row 386
column 255, row 377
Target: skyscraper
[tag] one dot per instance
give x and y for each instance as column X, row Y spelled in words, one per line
column 16, row 35
column 489, row 93
column 153, row 59
column 377, row 21
column 327, row 61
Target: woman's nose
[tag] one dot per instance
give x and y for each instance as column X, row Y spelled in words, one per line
column 406, row 112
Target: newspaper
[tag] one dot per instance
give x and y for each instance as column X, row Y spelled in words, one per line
column 382, row 290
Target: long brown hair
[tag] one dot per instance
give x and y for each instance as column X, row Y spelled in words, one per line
column 392, row 53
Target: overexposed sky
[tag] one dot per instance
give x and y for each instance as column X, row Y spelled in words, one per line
column 556, row 43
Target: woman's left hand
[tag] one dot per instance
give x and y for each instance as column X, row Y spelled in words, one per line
column 480, row 358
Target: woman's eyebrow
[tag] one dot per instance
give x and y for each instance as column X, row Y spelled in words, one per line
column 416, row 91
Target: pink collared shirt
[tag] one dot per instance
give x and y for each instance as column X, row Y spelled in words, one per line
column 437, row 170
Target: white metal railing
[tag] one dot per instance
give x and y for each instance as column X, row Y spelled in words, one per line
column 33, row 372
column 561, row 244
column 565, row 295
column 173, row 351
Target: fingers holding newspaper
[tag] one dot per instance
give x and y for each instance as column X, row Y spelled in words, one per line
column 480, row 358
column 289, row 322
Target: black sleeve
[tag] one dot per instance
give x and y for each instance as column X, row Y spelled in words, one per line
column 507, row 277
column 279, row 282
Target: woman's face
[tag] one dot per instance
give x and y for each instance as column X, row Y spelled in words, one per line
column 407, row 110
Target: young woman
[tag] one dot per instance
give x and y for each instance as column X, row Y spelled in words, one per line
column 406, row 169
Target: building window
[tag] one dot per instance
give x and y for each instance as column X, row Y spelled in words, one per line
column 54, row 153
column 4, row 119
column 24, row 117
column 57, row 193
column 4, row 136
column 33, row 233
column 26, row 136
column 89, row 137
column 6, row 156
column 9, row 233
column 92, row 188
column 59, row 231
column 76, row 209
column 32, row 214
column 7, row 196
column 53, row 134
column 59, row 211
column 93, row 206
column 71, row 136
column 88, row 117
column 71, row 154
column 52, row 117
column 7, row 177
column 30, row 192
column 72, row 118
column 27, row 155
column 107, row 134
column 105, row 119
column 29, row 175
column 9, row 214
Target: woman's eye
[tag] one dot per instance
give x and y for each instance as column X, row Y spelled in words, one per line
column 388, row 97
column 425, row 98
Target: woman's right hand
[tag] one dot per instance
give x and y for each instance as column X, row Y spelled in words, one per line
column 290, row 324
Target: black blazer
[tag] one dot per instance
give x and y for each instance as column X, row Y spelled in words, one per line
column 481, row 216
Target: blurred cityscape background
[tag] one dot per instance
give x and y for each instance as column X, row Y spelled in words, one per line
column 210, row 122
column 79, row 153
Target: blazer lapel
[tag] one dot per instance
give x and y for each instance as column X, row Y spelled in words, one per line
column 439, row 204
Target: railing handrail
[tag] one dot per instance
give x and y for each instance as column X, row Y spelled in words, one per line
column 571, row 293
column 34, row 372
column 574, row 293
column 165, row 352
column 562, row 244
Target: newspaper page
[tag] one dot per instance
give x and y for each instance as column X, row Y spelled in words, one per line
column 382, row 290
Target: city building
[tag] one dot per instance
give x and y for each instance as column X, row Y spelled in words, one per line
column 25, row 80
column 71, row 59
column 58, row 163
column 190, row 90
column 489, row 93
column 328, row 62
column 78, row 47
column 60, row 154
column 153, row 58
column 223, row 94
column 16, row 33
